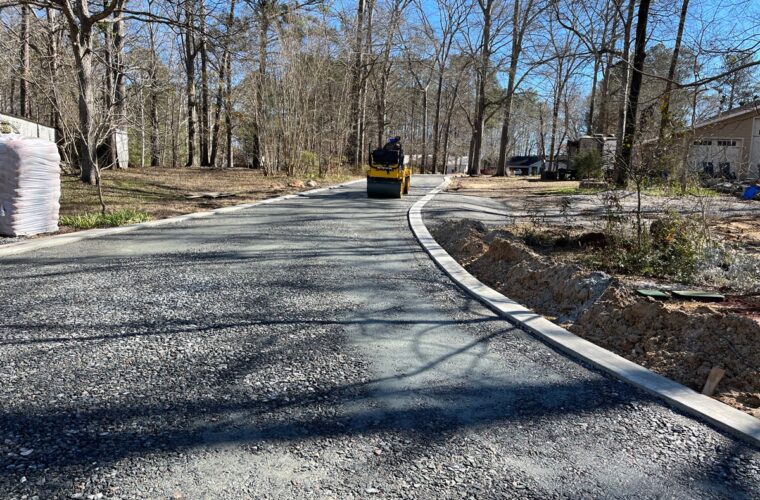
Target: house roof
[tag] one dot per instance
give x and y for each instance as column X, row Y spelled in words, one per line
column 523, row 161
column 752, row 108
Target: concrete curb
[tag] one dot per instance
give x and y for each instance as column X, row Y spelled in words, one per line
column 720, row 415
column 63, row 239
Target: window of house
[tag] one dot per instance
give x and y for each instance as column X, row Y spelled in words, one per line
column 726, row 143
column 703, row 143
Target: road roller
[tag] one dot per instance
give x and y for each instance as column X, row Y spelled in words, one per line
column 388, row 175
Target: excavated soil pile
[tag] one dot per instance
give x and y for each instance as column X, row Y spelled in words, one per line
column 560, row 291
column 463, row 239
column 682, row 341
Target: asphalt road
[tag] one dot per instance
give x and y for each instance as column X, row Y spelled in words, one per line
column 310, row 349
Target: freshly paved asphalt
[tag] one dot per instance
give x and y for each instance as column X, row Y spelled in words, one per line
column 310, row 349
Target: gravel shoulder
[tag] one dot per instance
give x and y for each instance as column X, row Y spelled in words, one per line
column 310, row 349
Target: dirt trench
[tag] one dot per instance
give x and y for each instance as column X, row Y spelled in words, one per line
column 680, row 340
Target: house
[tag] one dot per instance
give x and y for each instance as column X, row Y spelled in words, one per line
column 728, row 145
column 525, row 165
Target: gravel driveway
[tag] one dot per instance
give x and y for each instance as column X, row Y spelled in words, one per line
column 310, row 349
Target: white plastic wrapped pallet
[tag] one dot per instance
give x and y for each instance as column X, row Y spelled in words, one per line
column 30, row 185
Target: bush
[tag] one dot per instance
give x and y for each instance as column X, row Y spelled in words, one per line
column 673, row 247
column 309, row 160
column 679, row 245
column 112, row 219
column 588, row 165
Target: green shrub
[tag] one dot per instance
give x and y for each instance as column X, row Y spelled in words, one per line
column 678, row 243
column 673, row 248
column 309, row 159
column 111, row 219
column 588, row 164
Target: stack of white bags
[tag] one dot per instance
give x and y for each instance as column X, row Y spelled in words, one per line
column 30, row 185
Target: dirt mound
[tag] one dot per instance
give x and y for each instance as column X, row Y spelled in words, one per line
column 463, row 239
column 682, row 341
column 561, row 291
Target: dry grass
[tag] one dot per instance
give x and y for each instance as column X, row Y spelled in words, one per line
column 500, row 187
column 162, row 193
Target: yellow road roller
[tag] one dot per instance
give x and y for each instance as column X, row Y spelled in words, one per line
column 388, row 176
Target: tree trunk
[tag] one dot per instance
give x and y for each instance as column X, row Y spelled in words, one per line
column 353, row 154
column 228, row 109
column 624, row 87
column 119, row 93
column 592, row 97
column 603, row 120
column 13, row 96
column 501, row 168
column 424, row 129
column 52, row 18
column 518, row 31
column 80, row 23
column 204, row 113
column 190, row 83
column 364, row 86
column 639, row 56
column 542, row 138
column 480, row 110
column 86, row 140
column 553, row 134
column 142, row 129
column 224, row 66
column 437, row 121
column 381, row 103
column 470, row 153
column 155, row 158
column 256, row 160
column 174, row 132
column 447, row 129
column 228, row 87
column 23, row 94
column 109, row 95
column 218, row 111
column 665, row 125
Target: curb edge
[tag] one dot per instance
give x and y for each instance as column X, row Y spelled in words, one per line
column 720, row 415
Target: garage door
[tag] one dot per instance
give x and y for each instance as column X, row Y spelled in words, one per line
column 716, row 156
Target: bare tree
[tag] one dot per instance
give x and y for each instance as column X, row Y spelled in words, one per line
column 353, row 147
column 80, row 23
column 204, row 108
column 633, row 96
column 524, row 13
column 484, row 72
column 190, row 54
column 23, row 93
